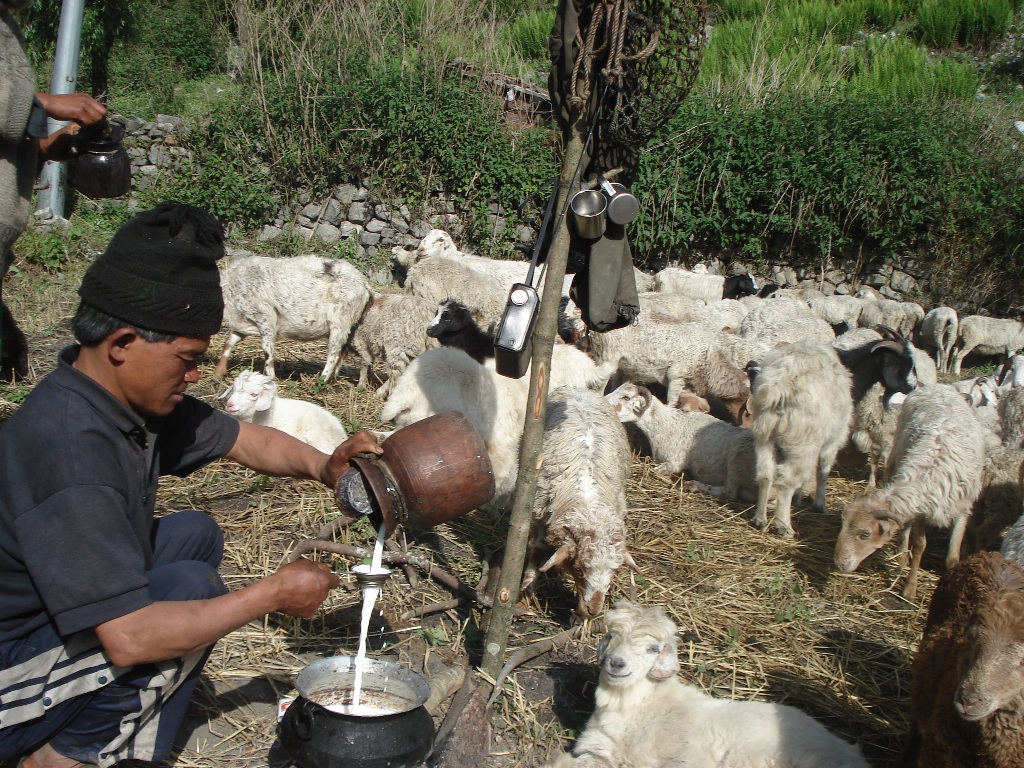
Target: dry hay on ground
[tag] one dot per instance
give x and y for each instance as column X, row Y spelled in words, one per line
column 759, row 617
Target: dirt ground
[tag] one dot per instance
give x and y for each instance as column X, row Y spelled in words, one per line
column 759, row 617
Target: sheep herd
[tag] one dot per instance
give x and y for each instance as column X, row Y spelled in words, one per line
column 750, row 395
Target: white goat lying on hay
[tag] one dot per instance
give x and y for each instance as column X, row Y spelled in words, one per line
column 645, row 716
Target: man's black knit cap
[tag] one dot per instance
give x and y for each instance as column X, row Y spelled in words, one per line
column 160, row 272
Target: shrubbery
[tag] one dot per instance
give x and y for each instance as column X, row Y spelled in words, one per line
column 832, row 176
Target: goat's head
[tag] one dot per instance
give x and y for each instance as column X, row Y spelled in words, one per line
column 868, row 525
column 738, row 286
column 630, row 401
column 994, row 679
column 899, row 371
column 436, row 242
column 591, row 560
column 639, row 644
column 452, row 316
column 250, row 393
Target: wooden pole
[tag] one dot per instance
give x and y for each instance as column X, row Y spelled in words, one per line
column 530, row 456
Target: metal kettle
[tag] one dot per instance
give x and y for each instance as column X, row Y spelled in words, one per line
column 101, row 168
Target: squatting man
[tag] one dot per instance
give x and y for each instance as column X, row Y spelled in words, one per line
column 108, row 613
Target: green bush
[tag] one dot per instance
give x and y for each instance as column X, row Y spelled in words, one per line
column 810, row 177
column 408, row 131
column 529, row 33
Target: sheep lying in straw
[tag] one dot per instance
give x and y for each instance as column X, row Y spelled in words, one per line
column 645, row 716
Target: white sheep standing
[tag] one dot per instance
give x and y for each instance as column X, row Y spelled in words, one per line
column 802, row 406
column 987, row 336
column 579, row 517
column 645, row 716
column 392, row 330
column 904, row 317
column 718, row 455
column 301, row 298
column 933, row 476
column 939, row 331
column 253, row 397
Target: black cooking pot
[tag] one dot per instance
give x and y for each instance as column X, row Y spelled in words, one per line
column 319, row 729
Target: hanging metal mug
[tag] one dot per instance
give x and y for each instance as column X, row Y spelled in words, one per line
column 622, row 205
column 588, row 208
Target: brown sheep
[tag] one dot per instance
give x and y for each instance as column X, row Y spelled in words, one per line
column 967, row 677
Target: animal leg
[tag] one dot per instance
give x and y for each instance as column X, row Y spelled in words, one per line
column 222, row 363
column 267, row 342
column 764, row 490
column 956, row 538
column 917, row 545
column 334, row 345
column 783, row 507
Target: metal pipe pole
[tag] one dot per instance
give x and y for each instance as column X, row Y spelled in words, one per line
column 64, row 80
column 530, row 455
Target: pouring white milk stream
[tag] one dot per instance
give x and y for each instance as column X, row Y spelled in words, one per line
column 371, row 591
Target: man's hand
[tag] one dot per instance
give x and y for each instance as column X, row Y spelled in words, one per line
column 80, row 108
column 363, row 441
column 302, row 586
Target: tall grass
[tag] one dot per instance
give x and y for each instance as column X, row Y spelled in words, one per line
column 942, row 23
column 898, row 69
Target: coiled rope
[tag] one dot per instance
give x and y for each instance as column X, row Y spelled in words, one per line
column 606, row 34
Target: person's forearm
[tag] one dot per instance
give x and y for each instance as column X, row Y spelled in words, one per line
column 276, row 453
column 168, row 630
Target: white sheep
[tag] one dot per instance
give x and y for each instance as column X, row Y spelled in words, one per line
column 392, row 330
column 933, row 476
column 706, row 287
column 939, row 331
column 801, row 404
column 675, row 354
column 437, row 242
column 438, row 279
column 579, row 517
column 783, row 321
column 447, row 379
column 645, row 716
column 253, row 397
column 987, row 336
column 904, row 317
column 839, row 311
column 301, row 298
column 719, row 456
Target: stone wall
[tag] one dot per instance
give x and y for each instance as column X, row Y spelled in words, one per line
column 351, row 216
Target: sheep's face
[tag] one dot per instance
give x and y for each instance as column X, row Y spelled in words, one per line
column 250, row 393
column 994, row 679
column 867, row 527
column 594, row 564
column 640, row 644
column 629, row 401
column 437, row 242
